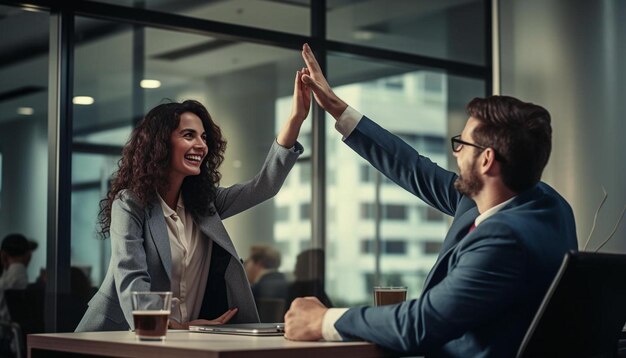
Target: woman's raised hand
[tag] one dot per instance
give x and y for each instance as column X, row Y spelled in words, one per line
column 299, row 110
column 301, row 97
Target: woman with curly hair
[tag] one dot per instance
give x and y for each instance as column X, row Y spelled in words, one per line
column 164, row 216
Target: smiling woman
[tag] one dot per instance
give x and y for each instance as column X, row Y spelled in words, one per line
column 153, row 161
column 164, row 215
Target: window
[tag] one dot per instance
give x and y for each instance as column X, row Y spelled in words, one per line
column 286, row 16
column 433, row 215
column 305, row 211
column 305, row 174
column 424, row 125
column 305, row 244
column 368, row 211
column 395, row 212
column 366, row 173
column 433, row 144
column 395, row 247
column 367, row 246
column 388, row 247
column 389, row 211
column 331, row 176
column 433, row 82
column 24, row 55
column 432, row 247
column 112, row 56
column 446, row 31
column 282, row 213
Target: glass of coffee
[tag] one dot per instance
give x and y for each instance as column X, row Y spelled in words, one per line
column 151, row 311
column 389, row 295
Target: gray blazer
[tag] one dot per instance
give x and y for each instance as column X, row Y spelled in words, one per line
column 140, row 247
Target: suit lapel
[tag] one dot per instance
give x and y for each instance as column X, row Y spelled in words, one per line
column 458, row 230
column 160, row 237
column 214, row 229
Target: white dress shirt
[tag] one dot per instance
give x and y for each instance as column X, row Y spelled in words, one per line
column 13, row 278
column 345, row 124
column 191, row 258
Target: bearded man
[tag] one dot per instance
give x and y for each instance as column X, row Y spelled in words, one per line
column 506, row 242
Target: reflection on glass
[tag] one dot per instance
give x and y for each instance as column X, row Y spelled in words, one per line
column 24, row 128
column 240, row 90
column 418, row 106
column 293, row 233
column 448, row 29
column 291, row 16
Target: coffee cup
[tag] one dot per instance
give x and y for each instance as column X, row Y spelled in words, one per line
column 389, row 295
column 151, row 311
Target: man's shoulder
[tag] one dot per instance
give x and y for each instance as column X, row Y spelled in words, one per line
column 541, row 197
column 15, row 276
column 272, row 278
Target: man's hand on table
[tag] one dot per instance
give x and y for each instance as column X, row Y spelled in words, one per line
column 303, row 321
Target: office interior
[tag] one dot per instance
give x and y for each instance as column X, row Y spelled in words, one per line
column 76, row 77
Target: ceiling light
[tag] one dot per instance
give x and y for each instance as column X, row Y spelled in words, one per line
column 150, row 83
column 363, row 35
column 30, row 8
column 83, row 100
column 25, row 111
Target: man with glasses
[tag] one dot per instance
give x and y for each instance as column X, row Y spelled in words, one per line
column 508, row 237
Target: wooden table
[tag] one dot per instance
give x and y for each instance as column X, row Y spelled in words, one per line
column 190, row 344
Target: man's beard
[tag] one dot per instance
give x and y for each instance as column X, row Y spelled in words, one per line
column 470, row 184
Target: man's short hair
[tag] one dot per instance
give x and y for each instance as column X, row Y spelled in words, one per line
column 519, row 132
column 17, row 245
column 265, row 256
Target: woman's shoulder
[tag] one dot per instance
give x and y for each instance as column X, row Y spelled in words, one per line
column 127, row 199
column 126, row 195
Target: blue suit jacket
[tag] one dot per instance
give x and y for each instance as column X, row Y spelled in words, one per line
column 485, row 287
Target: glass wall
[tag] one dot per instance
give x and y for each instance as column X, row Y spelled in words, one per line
column 24, row 128
column 447, row 29
column 292, row 16
column 371, row 211
column 325, row 221
column 246, row 87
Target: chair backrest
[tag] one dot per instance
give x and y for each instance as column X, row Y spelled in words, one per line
column 26, row 308
column 12, row 343
column 584, row 310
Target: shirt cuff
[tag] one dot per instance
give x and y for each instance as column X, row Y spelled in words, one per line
column 347, row 121
column 328, row 323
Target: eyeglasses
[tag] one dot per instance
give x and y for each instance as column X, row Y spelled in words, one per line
column 457, row 144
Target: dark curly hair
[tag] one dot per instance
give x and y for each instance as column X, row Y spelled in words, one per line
column 143, row 168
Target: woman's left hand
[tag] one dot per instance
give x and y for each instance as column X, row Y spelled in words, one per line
column 301, row 97
column 219, row 320
column 299, row 110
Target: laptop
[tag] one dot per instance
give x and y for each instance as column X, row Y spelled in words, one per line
column 245, row 329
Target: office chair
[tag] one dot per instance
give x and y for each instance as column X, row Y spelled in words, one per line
column 26, row 308
column 584, row 310
column 11, row 340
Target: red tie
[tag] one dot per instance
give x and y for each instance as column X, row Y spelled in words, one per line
column 471, row 228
